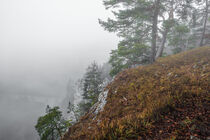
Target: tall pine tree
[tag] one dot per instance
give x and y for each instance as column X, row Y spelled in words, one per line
column 142, row 23
column 92, row 86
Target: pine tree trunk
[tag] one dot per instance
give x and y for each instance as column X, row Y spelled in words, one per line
column 160, row 50
column 171, row 17
column 52, row 134
column 204, row 25
column 154, row 30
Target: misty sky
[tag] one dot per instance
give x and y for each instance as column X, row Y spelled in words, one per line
column 43, row 39
column 42, row 44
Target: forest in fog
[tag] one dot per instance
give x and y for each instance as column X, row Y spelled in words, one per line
column 44, row 44
column 57, row 57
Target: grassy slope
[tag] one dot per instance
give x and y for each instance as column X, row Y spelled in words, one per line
column 166, row 100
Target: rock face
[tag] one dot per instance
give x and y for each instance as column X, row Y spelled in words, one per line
column 166, row 100
column 98, row 107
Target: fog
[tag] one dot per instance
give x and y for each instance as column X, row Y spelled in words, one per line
column 43, row 44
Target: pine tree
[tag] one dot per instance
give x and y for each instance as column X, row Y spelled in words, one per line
column 179, row 38
column 92, row 86
column 143, row 23
column 133, row 21
column 202, row 22
column 191, row 26
column 155, row 24
column 52, row 125
column 128, row 57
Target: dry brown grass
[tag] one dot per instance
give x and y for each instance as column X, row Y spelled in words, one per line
column 139, row 98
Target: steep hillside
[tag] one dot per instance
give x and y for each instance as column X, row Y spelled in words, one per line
column 166, row 100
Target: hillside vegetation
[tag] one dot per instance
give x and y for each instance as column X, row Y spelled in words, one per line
column 166, row 100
